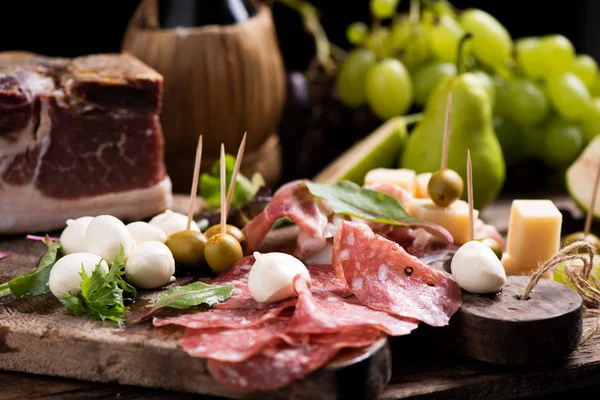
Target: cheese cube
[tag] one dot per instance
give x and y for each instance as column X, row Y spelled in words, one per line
column 422, row 181
column 405, row 178
column 533, row 235
column 454, row 218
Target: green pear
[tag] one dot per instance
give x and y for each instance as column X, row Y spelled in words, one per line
column 471, row 129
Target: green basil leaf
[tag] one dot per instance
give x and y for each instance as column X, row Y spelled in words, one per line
column 35, row 282
column 348, row 198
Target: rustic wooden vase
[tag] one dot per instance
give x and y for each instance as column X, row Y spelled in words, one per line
column 219, row 81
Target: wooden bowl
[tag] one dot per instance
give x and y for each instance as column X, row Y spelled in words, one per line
column 219, row 81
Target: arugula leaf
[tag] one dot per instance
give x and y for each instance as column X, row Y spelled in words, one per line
column 350, row 199
column 244, row 191
column 191, row 295
column 103, row 294
column 34, row 282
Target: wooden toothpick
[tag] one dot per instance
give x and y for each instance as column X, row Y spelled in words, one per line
column 446, row 132
column 223, row 199
column 588, row 217
column 194, row 189
column 470, row 196
column 236, row 169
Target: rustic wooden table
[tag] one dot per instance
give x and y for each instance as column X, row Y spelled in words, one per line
column 421, row 370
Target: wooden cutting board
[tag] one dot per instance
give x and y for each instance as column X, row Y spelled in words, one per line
column 37, row 336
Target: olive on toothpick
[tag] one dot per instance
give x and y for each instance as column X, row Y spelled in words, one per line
column 445, row 185
column 223, row 249
column 187, row 246
column 586, row 236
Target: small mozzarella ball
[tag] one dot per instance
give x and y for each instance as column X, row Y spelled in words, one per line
column 321, row 257
column 72, row 239
column 105, row 235
column 151, row 265
column 170, row 223
column 272, row 274
column 65, row 275
column 144, row 232
column 477, row 269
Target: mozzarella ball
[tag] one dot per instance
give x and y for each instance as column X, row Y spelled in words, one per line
column 151, row 265
column 72, row 239
column 105, row 235
column 170, row 223
column 322, row 257
column 65, row 275
column 272, row 274
column 144, row 232
column 477, row 269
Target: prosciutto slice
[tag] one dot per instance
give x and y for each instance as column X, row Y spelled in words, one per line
column 403, row 196
column 329, row 313
column 383, row 276
column 275, row 367
column 294, row 201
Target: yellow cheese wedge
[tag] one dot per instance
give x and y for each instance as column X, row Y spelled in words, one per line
column 454, row 218
column 422, row 181
column 533, row 235
column 405, row 178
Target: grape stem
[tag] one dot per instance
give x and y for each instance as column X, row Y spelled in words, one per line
column 460, row 63
column 415, row 11
column 310, row 18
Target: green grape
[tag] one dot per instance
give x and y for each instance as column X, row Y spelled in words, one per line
column 560, row 274
column 417, row 50
column 586, row 69
column 595, row 89
column 427, row 77
column 555, row 54
column 510, row 136
column 569, row 95
column 350, row 80
column 357, row 33
column 380, row 43
column 400, row 33
column 444, row 35
column 528, row 104
column 491, row 42
column 389, row 89
column 488, row 84
column 590, row 123
column 502, row 100
column 527, row 56
column 563, row 142
column 533, row 141
column 383, row 9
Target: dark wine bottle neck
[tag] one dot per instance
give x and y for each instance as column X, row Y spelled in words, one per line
column 191, row 13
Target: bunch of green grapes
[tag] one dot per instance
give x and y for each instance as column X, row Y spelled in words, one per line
column 545, row 97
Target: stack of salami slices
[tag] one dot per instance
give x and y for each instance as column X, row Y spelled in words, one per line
column 374, row 287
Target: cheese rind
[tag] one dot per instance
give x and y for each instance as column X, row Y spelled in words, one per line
column 533, row 235
column 454, row 218
column 405, row 178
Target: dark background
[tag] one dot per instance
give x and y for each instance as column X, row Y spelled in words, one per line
column 71, row 28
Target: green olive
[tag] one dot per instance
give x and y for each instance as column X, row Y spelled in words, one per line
column 580, row 236
column 445, row 187
column 187, row 247
column 230, row 230
column 222, row 251
column 494, row 245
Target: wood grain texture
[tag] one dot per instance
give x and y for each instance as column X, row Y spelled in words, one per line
column 505, row 329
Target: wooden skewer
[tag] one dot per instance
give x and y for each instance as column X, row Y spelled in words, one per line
column 236, row 169
column 588, row 217
column 194, row 189
column 223, row 184
column 446, row 132
column 470, row 196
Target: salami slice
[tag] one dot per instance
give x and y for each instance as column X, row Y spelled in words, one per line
column 353, row 338
column 275, row 367
column 232, row 345
column 321, row 313
column 228, row 318
column 402, row 195
column 324, row 280
column 383, row 276
column 294, row 201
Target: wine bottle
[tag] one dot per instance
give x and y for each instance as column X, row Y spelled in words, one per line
column 193, row 13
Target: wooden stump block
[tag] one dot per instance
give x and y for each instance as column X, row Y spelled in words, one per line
column 505, row 329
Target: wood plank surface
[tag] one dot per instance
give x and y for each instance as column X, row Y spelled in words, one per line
column 421, row 368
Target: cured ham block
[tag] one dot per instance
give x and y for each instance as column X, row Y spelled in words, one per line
column 79, row 137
